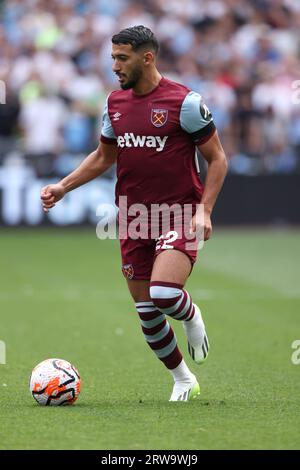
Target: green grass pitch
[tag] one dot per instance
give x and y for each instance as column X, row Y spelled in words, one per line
column 62, row 295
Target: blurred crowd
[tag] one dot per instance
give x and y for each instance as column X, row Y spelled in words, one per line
column 241, row 55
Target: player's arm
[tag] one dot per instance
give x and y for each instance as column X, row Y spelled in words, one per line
column 94, row 165
column 212, row 151
column 197, row 121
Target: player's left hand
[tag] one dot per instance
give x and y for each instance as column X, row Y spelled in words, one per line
column 201, row 225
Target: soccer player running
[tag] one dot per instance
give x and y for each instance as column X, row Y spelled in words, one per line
column 151, row 128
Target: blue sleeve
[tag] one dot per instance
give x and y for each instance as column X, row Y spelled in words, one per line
column 196, row 119
column 107, row 128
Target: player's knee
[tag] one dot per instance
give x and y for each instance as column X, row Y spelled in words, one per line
column 164, row 296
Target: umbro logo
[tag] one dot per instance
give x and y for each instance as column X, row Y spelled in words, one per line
column 117, row 116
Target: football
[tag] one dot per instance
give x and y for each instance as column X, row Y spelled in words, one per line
column 55, row 382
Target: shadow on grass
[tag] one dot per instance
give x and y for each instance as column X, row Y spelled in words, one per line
column 133, row 403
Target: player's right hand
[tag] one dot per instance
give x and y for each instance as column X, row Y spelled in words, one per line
column 51, row 194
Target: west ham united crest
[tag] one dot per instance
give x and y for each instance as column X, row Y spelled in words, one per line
column 128, row 271
column 159, row 117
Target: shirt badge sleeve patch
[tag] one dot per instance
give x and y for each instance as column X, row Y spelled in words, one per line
column 159, row 117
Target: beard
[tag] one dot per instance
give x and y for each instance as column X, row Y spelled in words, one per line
column 133, row 78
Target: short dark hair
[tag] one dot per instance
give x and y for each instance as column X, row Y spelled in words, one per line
column 137, row 36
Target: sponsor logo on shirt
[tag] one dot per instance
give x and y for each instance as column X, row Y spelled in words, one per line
column 151, row 141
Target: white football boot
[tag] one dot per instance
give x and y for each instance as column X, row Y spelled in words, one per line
column 185, row 390
column 198, row 344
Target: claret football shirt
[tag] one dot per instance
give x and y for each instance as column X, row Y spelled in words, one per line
column 156, row 134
